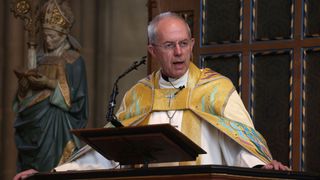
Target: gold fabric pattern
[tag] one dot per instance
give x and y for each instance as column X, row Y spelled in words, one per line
column 168, row 99
column 67, row 152
column 136, row 113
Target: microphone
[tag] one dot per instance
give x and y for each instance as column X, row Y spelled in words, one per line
column 112, row 102
column 180, row 89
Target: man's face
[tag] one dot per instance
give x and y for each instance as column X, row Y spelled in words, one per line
column 173, row 47
column 53, row 39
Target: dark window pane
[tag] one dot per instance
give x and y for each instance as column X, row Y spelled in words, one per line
column 311, row 118
column 312, row 18
column 271, row 101
column 221, row 22
column 272, row 19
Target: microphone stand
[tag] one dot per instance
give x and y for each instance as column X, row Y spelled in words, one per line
column 112, row 102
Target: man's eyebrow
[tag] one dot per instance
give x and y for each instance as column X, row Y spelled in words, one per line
column 174, row 41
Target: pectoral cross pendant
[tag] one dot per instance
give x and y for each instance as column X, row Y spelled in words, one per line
column 171, row 96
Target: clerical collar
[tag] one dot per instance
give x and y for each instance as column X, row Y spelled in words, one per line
column 182, row 81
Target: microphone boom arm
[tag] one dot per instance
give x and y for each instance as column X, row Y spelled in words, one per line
column 112, row 102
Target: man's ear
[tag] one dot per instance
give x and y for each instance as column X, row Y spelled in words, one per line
column 151, row 50
column 192, row 43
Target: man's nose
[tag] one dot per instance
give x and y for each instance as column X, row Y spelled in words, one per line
column 177, row 49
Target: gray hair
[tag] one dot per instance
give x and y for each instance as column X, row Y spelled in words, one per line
column 152, row 27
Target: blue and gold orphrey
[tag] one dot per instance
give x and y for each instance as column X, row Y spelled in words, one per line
column 204, row 97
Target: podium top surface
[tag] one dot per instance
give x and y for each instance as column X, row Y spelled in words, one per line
column 203, row 172
column 141, row 144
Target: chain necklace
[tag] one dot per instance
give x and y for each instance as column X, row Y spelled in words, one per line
column 172, row 96
column 170, row 117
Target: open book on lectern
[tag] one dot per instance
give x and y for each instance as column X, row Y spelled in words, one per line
column 141, row 144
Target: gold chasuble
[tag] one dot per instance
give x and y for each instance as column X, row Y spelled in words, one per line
column 204, row 98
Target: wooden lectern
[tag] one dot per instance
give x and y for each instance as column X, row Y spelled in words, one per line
column 141, row 144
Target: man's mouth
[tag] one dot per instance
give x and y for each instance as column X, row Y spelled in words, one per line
column 178, row 62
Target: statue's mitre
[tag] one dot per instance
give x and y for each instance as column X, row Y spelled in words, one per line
column 57, row 17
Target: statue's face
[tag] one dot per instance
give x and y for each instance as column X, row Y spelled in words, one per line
column 53, row 39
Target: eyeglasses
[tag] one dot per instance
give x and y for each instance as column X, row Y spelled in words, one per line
column 172, row 45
